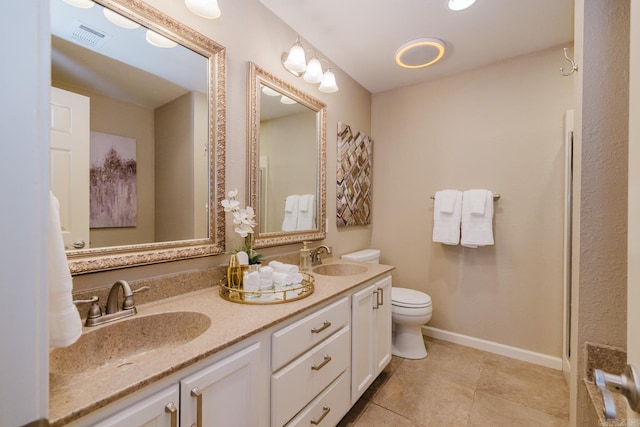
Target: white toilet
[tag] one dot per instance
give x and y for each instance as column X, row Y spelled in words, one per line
column 410, row 309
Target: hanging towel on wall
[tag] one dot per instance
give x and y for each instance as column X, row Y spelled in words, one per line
column 65, row 326
column 447, row 209
column 306, row 212
column 477, row 218
column 290, row 213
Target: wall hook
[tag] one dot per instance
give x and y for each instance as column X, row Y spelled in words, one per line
column 574, row 66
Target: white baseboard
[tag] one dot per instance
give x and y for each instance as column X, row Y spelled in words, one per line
column 493, row 347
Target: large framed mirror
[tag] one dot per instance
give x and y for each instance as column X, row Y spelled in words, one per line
column 137, row 135
column 287, row 161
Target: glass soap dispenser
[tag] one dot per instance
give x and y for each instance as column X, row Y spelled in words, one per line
column 305, row 257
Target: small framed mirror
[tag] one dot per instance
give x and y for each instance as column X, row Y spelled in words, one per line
column 287, row 161
column 142, row 97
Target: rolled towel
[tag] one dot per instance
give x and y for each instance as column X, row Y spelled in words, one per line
column 281, row 267
column 280, row 278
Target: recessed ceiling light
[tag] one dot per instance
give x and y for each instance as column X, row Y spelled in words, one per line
column 420, row 53
column 460, row 4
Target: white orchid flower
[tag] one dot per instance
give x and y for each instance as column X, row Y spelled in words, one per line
column 232, row 193
column 230, row 205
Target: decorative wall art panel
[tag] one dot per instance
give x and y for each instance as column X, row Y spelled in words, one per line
column 354, row 164
column 113, row 200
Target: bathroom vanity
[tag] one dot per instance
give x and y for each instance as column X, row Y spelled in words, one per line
column 301, row 362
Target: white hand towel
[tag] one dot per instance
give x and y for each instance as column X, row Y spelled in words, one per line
column 306, row 212
column 290, row 221
column 65, row 326
column 446, row 225
column 448, row 200
column 477, row 229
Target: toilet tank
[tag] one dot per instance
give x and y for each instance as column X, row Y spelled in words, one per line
column 372, row 256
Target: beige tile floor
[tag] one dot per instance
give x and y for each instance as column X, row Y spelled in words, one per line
column 461, row 386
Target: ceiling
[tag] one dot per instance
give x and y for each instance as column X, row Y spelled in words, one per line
column 361, row 37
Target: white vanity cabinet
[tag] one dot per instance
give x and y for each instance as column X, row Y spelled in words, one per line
column 158, row 410
column 310, row 362
column 225, row 393
column 371, row 336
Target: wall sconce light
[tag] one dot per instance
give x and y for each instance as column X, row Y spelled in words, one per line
column 206, row 8
column 295, row 62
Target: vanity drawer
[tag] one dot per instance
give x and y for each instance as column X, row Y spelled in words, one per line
column 294, row 386
column 295, row 339
column 329, row 407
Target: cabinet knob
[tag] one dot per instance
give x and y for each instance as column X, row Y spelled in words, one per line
column 170, row 408
column 325, row 411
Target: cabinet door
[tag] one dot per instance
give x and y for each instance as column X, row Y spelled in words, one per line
column 159, row 410
column 225, row 393
column 362, row 341
column 382, row 329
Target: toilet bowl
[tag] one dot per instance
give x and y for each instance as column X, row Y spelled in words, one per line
column 410, row 309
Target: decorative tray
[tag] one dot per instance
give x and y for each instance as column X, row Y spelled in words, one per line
column 278, row 295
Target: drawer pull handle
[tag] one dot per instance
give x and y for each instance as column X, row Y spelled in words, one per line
column 326, row 360
column 324, row 326
column 325, row 411
column 376, row 303
column 195, row 392
column 170, row 408
column 381, row 296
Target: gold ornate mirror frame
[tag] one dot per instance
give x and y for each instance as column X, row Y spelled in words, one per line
column 258, row 77
column 108, row 258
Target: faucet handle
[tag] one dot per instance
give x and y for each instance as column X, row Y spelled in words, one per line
column 94, row 311
column 127, row 303
column 93, row 299
column 140, row 289
column 627, row 384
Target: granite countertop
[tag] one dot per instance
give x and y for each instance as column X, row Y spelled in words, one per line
column 77, row 394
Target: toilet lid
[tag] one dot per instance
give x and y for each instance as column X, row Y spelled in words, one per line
column 404, row 297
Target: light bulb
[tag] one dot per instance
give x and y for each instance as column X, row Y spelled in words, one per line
column 328, row 84
column 287, row 100
column 83, row 4
column 159, row 41
column 269, row 92
column 314, row 71
column 206, row 8
column 296, row 62
column 119, row 20
column 460, row 4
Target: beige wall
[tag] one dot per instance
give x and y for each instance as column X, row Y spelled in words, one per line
column 500, row 128
column 600, row 202
column 175, row 169
column 250, row 32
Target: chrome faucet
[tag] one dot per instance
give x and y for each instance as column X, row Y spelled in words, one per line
column 315, row 254
column 112, row 310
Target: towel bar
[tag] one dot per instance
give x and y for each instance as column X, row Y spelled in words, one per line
column 496, row 196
